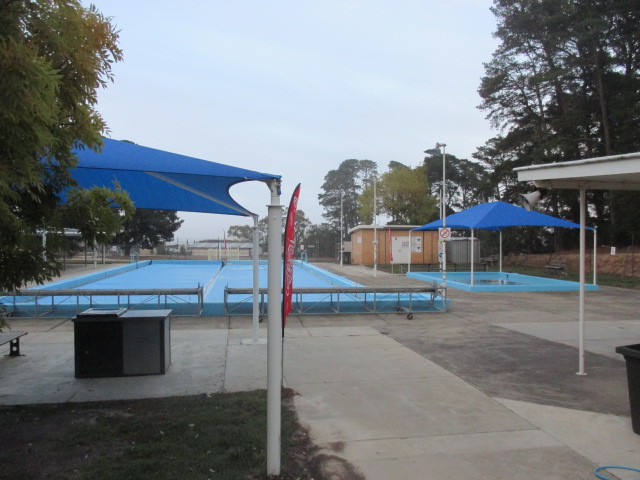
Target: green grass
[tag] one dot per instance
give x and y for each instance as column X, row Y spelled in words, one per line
column 217, row 436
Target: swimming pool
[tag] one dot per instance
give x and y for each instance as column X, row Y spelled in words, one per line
column 500, row 282
column 192, row 287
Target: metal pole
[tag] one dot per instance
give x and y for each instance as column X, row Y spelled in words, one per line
column 500, row 251
column 595, row 254
column 256, row 281
column 583, row 202
column 444, row 211
column 274, row 332
column 341, row 228
column 410, row 252
column 375, row 231
column 472, row 252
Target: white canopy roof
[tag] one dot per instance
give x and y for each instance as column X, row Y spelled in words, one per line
column 616, row 172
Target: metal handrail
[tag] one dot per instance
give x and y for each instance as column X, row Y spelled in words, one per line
column 40, row 293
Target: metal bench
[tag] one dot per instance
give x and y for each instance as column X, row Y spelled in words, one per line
column 558, row 267
column 13, row 338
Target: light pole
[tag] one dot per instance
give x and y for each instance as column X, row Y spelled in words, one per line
column 443, row 206
column 341, row 228
column 443, row 199
column 444, row 212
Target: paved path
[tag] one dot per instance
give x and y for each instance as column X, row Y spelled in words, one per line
column 485, row 390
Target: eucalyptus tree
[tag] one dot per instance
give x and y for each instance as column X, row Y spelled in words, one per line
column 345, row 185
column 468, row 182
column 402, row 194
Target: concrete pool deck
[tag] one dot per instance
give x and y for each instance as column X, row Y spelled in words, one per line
column 485, row 390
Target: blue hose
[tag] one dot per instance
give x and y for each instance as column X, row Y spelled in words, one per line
column 612, row 466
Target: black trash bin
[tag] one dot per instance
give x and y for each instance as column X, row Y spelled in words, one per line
column 117, row 342
column 631, row 355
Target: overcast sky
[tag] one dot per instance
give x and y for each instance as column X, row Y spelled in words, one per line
column 295, row 87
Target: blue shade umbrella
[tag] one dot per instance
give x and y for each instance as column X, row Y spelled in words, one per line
column 497, row 216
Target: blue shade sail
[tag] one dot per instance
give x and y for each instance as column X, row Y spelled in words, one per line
column 161, row 180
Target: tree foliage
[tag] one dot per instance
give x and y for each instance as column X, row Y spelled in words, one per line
column 402, row 194
column 241, row 233
column 99, row 213
column 564, row 85
column 346, row 182
column 321, row 241
column 468, row 183
column 147, row 229
column 54, row 55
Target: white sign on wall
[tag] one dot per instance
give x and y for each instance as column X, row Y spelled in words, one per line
column 416, row 244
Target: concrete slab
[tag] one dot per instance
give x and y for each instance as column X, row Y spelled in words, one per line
column 596, row 436
column 626, row 330
column 601, row 337
column 246, row 367
column 378, row 409
column 555, row 463
column 343, row 331
column 45, row 374
column 310, row 321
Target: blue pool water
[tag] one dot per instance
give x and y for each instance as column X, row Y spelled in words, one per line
column 213, row 277
column 500, row 282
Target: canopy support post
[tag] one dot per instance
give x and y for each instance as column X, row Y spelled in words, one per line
column 472, row 258
column 583, row 202
column 500, row 260
column 595, row 254
column 256, row 281
column 274, row 331
column 410, row 251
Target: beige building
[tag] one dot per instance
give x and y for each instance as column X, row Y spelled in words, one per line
column 394, row 245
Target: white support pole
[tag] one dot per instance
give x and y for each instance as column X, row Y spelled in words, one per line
column 256, row 280
column 472, row 252
column 444, row 210
column 410, row 252
column 341, row 228
column 274, row 332
column 595, row 254
column 583, row 215
column 375, row 231
column 500, row 251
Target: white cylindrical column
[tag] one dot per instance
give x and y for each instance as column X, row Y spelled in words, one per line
column 274, row 331
column 583, row 217
column 375, row 230
column 256, row 280
column 410, row 252
column 595, row 254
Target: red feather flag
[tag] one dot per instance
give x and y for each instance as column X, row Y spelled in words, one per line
column 289, row 252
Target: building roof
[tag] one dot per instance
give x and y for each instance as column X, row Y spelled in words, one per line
column 221, row 244
column 382, row 227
